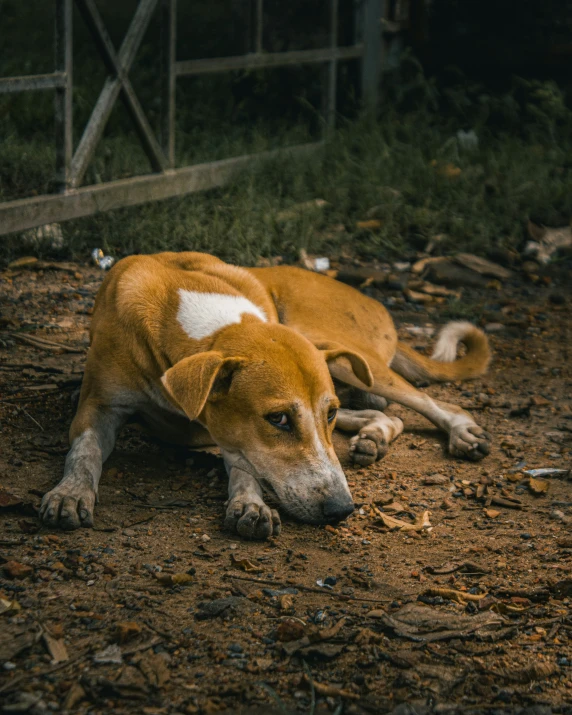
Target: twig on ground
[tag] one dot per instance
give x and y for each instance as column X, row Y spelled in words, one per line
column 60, row 666
column 302, row 587
column 34, row 420
column 44, row 344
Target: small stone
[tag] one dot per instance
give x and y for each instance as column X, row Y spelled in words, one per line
column 126, row 631
column 14, row 569
column 289, row 630
column 435, row 479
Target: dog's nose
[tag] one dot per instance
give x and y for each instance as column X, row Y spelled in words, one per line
column 335, row 510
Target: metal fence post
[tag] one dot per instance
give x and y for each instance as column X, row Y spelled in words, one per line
column 169, row 83
column 64, row 95
column 369, row 30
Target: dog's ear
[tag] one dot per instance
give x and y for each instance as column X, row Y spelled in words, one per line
column 194, row 380
column 332, row 351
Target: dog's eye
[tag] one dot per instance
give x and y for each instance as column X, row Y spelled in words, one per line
column 332, row 414
column 279, row 419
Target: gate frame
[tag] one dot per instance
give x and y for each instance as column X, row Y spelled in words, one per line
column 74, row 201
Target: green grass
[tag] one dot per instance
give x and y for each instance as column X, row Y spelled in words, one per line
column 391, row 169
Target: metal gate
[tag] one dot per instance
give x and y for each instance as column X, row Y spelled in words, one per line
column 74, row 201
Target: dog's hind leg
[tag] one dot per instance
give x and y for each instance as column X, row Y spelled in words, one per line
column 70, row 504
column 373, row 430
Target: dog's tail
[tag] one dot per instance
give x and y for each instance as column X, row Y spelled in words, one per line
column 443, row 365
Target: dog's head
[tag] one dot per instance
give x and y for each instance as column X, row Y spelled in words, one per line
column 265, row 394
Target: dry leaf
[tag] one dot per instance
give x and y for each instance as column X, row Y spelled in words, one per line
column 286, row 602
column 327, row 633
column 492, row 513
column 56, row 648
column 244, row 564
column 421, row 522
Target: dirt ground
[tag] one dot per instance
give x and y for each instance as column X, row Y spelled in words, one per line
column 159, row 610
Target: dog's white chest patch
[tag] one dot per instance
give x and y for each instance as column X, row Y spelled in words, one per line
column 202, row 314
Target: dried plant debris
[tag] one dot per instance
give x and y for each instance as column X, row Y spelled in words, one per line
column 425, row 624
column 421, row 522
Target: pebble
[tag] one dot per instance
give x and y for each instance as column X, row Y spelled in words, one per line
column 235, row 648
column 14, row 569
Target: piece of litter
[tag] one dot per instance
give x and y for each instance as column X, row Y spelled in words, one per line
column 322, row 584
column 547, row 472
column 322, row 264
column 100, row 259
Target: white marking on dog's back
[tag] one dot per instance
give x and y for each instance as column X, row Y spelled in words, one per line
column 202, row 314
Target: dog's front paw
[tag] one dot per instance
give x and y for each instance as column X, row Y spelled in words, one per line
column 371, row 443
column 252, row 520
column 469, row 441
column 68, row 507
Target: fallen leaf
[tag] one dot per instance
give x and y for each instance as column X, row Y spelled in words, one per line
column 286, row 602
column 492, row 513
column 244, row 564
column 9, row 607
column 422, row 623
column 332, row 632
column 56, row 648
column 111, row 654
column 154, row 667
column 545, row 241
column 421, row 522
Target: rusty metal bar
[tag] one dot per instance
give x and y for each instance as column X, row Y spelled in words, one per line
column 169, row 83
column 267, row 59
column 332, row 67
column 63, row 98
column 32, row 82
column 119, row 66
column 36, row 211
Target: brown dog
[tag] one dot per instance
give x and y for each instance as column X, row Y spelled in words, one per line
column 202, row 352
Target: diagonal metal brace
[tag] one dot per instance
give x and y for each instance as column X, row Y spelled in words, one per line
column 118, row 65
